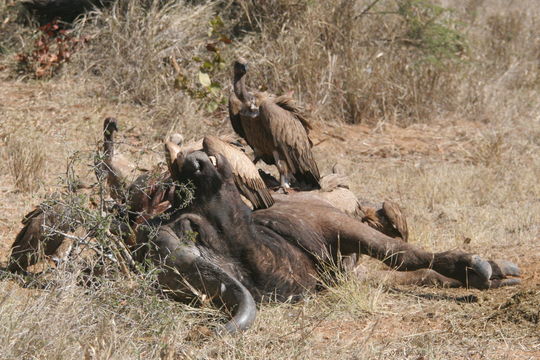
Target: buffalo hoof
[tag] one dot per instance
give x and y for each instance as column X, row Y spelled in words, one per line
column 497, row 283
column 504, row 268
column 492, row 274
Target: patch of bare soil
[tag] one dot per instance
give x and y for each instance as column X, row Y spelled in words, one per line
column 448, row 142
column 523, row 308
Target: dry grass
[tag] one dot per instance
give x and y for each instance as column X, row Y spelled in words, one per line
column 137, row 68
column 466, row 171
column 26, row 163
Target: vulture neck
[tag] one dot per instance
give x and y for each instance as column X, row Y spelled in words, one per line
column 108, row 144
column 240, row 89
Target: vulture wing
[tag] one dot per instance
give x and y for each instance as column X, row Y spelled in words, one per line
column 396, row 217
column 288, row 103
column 34, row 237
column 171, row 154
column 333, row 181
column 246, row 176
column 291, row 141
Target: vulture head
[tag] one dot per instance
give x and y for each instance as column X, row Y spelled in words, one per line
column 240, row 67
column 177, row 139
column 110, row 125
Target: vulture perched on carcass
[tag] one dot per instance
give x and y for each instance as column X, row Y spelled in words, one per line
column 245, row 174
column 113, row 167
column 276, row 130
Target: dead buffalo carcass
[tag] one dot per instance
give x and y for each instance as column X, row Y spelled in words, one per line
column 218, row 247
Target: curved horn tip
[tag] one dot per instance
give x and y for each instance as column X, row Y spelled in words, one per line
column 245, row 312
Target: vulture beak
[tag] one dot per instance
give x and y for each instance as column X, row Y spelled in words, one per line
column 237, row 144
column 174, row 156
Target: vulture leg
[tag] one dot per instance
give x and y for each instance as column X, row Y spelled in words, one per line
column 283, row 173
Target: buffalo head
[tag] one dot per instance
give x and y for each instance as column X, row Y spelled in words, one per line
column 188, row 244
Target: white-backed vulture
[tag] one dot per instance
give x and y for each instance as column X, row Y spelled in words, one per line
column 44, row 228
column 245, row 174
column 386, row 217
column 114, row 167
column 277, row 131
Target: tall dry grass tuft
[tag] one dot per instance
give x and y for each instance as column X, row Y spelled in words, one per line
column 129, row 55
column 26, row 163
column 364, row 61
column 503, row 77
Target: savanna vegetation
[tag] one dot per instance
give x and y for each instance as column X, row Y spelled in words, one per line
column 431, row 103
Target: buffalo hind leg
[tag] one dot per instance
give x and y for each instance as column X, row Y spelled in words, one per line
column 421, row 277
column 353, row 236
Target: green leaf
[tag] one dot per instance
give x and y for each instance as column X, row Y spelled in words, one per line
column 215, row 88
column 207, row 66
column 204, row 79
column 212, row 106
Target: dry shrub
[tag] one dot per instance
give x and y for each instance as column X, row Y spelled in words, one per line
column 389, row 62
column 12, row 32
column 129, row 54
column 52, row 48
column 26, row 163
column 503, row 76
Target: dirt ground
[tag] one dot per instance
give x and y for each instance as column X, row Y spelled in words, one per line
column 454, row 180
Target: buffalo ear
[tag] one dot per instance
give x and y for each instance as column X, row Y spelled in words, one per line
column 175, row 158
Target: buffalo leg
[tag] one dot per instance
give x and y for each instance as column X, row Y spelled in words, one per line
column 356, row 237
column 422, row 277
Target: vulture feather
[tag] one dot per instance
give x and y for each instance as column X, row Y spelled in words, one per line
column 246, row 175
column 396, row 218
column 290, row 140
column 386, row 217
column 275, row 128
column 114, row 167
column 44, row 230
